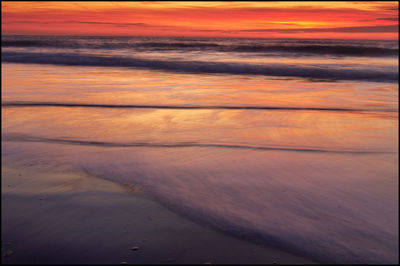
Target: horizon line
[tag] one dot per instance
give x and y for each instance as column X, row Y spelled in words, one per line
column 194, row 36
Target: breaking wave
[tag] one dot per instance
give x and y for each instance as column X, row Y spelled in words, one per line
column 335, row 72
column 319, row 49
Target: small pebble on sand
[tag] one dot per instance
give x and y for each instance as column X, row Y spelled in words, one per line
column 123, row 262
column 135, row 248
column 8, row 253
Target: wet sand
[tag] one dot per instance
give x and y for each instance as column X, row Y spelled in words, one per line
column 71, row 218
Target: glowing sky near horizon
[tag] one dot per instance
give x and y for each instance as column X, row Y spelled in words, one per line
column 341, row 20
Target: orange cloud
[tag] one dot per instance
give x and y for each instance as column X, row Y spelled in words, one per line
column 371, row 20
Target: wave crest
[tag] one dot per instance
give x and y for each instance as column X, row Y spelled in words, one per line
column 281, row 70
column 320, row 49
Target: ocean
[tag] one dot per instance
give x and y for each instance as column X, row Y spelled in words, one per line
column 291, row 143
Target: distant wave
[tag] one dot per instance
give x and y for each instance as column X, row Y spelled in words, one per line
column 312, row 49
column 304, row 71
column 138, row 106
column 29, row 138
column 323, row 49
column 345, row 50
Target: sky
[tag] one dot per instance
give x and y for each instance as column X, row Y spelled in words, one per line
column 273, row 19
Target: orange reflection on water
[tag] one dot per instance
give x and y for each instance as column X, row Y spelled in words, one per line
column 296, row 129
column 371, row 130
column 125, row 86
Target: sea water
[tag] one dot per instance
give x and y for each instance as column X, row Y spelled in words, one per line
column 291, row 143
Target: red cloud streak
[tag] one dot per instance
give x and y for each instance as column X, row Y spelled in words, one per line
column 366, row 20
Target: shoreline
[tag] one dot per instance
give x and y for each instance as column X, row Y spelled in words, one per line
column 69, row 218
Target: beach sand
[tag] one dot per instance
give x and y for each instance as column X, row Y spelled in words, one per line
column 70, row 218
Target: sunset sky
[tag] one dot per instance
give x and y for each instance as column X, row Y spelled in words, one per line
column 342, row 20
